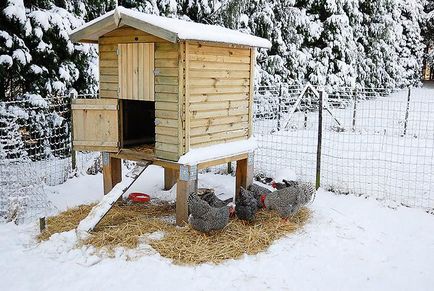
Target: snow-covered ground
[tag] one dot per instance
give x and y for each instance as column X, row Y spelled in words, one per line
column 375, row 159
column 350, row 243
column 25, row 184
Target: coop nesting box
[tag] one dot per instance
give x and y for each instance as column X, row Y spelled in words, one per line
column 166, row 86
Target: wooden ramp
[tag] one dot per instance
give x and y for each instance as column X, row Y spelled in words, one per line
column 100, row 210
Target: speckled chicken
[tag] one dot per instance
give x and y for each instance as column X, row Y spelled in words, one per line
column 246, row 205
column 257, row 192
column 289, row 200
column 284, row 184
column 205, row 218
column 209, row 196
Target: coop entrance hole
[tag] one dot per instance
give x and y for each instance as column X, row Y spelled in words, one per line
column 138, row 123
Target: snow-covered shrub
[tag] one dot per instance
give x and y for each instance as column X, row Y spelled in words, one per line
column 37, row 56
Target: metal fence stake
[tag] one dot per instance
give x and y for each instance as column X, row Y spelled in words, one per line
column 354, row 109
column 318, row 148
column 279, row 107
column 407, row 111
column 73, row 153
column 42, row 224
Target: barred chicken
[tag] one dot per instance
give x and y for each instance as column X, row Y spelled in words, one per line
column 205, row 218
column 257, row 192
column 263, row 179
column 287, row 201
column 209, row 196
column 246, row 205
column 284, row 184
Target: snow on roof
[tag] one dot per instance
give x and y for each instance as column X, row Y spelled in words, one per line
column 218, row 151
column 170, row 29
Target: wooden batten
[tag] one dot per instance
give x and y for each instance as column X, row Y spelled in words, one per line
column 187, row 92
column 251, row 89
column 181, row 99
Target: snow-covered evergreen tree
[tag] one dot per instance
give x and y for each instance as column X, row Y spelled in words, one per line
column 38, row 61
column 428, row 32
column 410, row 47
column 38, row 57
column 379, row 39
column 11, row 143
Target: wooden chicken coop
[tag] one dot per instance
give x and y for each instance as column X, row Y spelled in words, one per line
column 167, row 87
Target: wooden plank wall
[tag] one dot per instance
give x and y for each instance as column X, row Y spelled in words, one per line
column 108, row 59
column 167, row 109
column 218, row 90
column 166, row 86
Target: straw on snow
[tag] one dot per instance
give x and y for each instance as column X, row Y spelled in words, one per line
column 124, row 225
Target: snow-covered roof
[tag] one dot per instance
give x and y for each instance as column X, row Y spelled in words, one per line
column 170, row 29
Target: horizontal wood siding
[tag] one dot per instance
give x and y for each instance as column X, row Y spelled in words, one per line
column 166, row 101
column 166, row 84
column 108, row 59
column 218, row 94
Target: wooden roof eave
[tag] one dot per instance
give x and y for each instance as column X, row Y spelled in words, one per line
column 91, row 33
column 149, row 28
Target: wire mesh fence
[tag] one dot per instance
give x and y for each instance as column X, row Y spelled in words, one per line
column 374, row 142
column 386, row 151
column 35, row 153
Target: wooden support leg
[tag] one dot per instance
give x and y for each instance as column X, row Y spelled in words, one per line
column 244, row 173
column 170, row 177
column 111, row 171
column 187, row 183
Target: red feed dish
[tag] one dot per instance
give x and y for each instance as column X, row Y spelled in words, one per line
column 139, row 197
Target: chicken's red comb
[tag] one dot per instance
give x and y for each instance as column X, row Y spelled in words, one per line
column 273, row 184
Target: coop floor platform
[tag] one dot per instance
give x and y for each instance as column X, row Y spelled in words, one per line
column 147, row 153
column 143, row 152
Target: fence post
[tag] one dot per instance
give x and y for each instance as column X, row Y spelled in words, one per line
column 318, row 148
column 407, row 111
column 354, row 109
column 230, row 170
column 42, row 224
column 307, row 107
column 72, row 96
column 279, row 107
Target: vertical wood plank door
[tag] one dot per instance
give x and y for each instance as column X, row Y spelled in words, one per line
column 136, row 71
column 95, row 124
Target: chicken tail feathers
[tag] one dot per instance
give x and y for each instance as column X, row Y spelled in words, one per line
column 227, row 201
column 197, row 206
